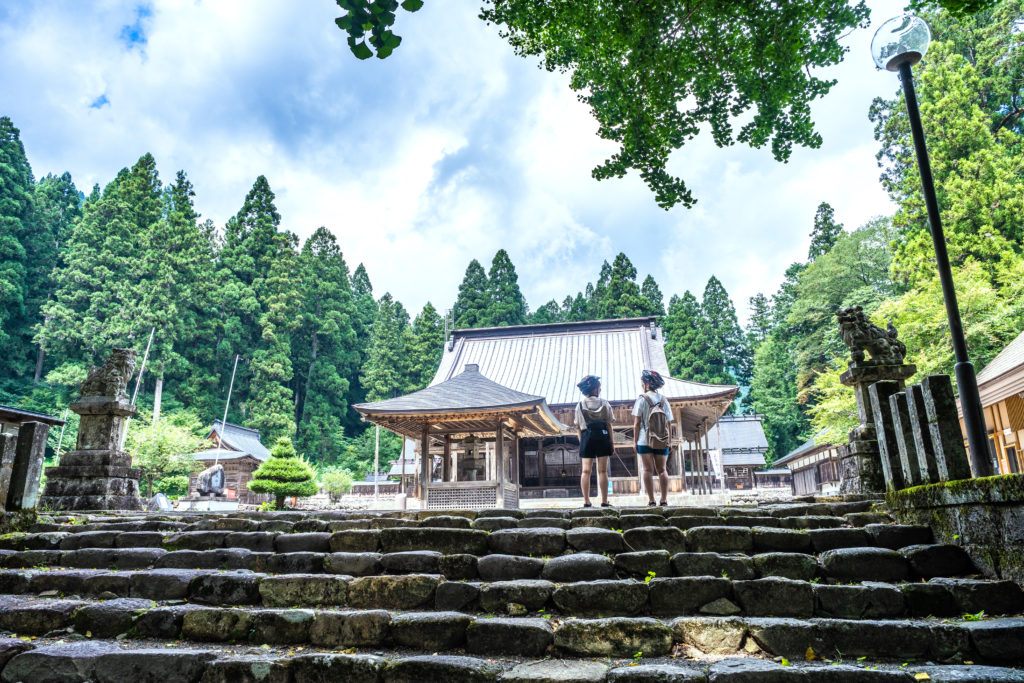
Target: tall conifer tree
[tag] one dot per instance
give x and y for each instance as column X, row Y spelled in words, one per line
column 826, row 231
column 618, row 295
column 17, row 221
column 506, row 305
column 386, row 371
column 473, row 302
column 325, row 347
column 654, row 301
column 684, row 346
column 427, row 347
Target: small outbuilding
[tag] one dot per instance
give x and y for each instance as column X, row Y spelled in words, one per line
column 241, row 452
column 815, row 467
column 1001, row 386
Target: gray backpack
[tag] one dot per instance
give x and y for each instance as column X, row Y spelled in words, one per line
column 658, row 437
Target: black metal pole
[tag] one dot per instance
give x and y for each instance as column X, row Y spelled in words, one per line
column 967, row 382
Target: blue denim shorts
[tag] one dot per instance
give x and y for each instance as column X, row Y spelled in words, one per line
column 643, row 450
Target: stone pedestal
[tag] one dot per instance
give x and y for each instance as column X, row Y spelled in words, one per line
column 98, row 475
column 861, row 468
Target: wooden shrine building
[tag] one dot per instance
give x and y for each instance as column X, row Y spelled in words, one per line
column 1001, row 386
column 241, row 452
column 540, row 365
column 476, row 426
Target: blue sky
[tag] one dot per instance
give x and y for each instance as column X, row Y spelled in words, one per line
column 448, row 150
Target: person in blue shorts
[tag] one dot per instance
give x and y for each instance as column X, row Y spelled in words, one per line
column 594, row 427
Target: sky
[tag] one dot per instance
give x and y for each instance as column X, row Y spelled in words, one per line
column 448, row 150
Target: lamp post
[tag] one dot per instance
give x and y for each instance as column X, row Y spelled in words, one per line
column 899, row 44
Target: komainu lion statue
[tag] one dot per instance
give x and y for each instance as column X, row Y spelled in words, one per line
column 111, row 378
column 861, row 335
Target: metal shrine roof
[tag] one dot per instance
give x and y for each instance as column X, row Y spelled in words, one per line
column 548, row 360
column 12, row 415
column 1008, row 359
column 803, row 449
column 743, row 458
column 237, row 438
column 739, row 433
column 469, row 394
column 212, row 454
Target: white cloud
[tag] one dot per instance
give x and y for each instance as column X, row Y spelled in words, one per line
column 448, row 150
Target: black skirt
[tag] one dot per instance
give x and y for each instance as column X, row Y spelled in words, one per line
column 596, row 441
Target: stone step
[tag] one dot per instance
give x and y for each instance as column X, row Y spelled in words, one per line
column 660, row 596
column 538, row 541
column 990, row 641
column 106, row 662
column 838, row 565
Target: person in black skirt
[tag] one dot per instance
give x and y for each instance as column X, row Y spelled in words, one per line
column 594, row 426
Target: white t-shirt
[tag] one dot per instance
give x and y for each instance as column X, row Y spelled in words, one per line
column 600, row 409
column 641, row 409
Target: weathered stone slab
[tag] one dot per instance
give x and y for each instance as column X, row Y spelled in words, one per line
column 244, row 669
column 930, row 599
column 544, row 523
column 558, row 671
column 601, row 598
column 614, row 637
column 918, row 416
column 535, row 542
column 998, row 640
column 830, row 539
column 27, row 468
column 353, row 564
column 870, row 601
column 355, row 541
column 303, row 543
column 509, row 567
column 447, row 522
column 517, row 637
column 445, row 541
column 163, row 622
column 578, row 567
column 780, row 540
column 903, row 431
column 458, row 566
column 368, row 628
column 110, row 618
column 944, row 425
column 668, row 538
column 686, row 595
column 289, row 590
column 457, row 595
column 775, row 597
column 640, row 565
column 720, row 539
column 864, row 564
column 933, row 560
column 594, row 540
column 711, row 635
column 432, row 631
column 335, row 667
column 495, row 523
column 229, row 588
column 531, row 594
column 786, row 637
column 409, row 591
column 896, row 536
column 218, row 625
column 888, row 446
column 57, row 663
column 733, row 566
column 991, row 597
column 655, row 673
column 38, row 617
column 443, row 669
column 412, row 562
column 787, row 565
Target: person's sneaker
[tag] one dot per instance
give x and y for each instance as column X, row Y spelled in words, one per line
column 587, row 505
column 606, row 505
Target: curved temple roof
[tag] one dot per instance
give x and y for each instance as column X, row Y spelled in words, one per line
column 469, row 399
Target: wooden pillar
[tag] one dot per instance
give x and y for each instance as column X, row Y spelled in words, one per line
column 426, row 462
column 515, row 459
column 709, row 478
column 682, row 465
column 446, row 466
column 499, row 464
column 540, row 462
column 721, row 454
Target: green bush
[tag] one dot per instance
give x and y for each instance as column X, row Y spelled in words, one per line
column 172, row 486
column 337, row 482
column 283, row 475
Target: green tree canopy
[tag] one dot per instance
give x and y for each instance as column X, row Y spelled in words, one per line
column 386, row 371
column 426, row 347
column 825, row 233
column 473, row 302
column 506, row 305
column 653, row 298
column 283, row 475
column 18, row 222
column 617, row 294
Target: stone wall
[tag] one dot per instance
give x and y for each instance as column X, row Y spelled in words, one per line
column 985, row 516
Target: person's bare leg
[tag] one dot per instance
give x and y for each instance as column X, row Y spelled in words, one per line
column 602, row 478
column 648, row 459
column 661, row 462
column 588, row 464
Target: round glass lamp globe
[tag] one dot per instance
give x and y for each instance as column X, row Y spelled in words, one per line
column 900, row 40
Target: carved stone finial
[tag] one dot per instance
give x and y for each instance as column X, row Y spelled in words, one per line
column 860, row 335
column 110, row 379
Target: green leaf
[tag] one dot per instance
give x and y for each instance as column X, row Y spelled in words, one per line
column 344, row 23
column 361, row 51
column 412, row 5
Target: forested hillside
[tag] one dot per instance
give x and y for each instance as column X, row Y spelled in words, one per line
column 81, row 274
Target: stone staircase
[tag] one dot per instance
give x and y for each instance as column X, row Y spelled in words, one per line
column 827, row 591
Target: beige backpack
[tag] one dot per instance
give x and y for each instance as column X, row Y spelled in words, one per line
column 657, row 425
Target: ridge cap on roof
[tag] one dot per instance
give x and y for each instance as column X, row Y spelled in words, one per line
column 236, row 426
column 1007, row 351
column 611, row 322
